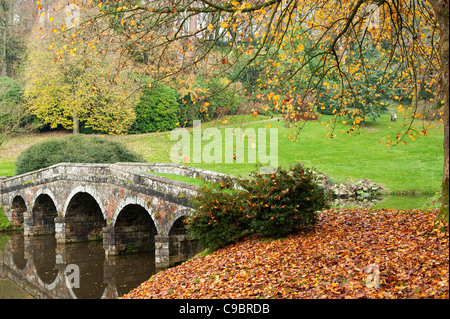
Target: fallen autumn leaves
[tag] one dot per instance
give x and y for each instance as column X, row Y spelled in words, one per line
column 408, row 247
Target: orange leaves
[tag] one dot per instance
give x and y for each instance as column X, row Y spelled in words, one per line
column 408, row 250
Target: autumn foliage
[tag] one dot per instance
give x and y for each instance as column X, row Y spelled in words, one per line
column 409, row 249
column 270, row 205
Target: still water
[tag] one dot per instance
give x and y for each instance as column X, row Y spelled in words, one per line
column 38, row 267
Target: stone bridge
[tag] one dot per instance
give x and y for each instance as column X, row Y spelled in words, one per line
column 123, row 204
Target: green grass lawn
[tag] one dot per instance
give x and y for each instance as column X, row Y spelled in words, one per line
column 416, row 166
column 7, row 167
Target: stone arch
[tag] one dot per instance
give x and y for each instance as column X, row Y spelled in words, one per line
column 181, row 246
column 83, row 216
column 18, row 208
column 134, row 226
column 176, row 216
column 49, row 193
column 43, row 213
column 178, row 226
column 85, row 189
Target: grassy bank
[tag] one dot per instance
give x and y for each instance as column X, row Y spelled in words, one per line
column 5, row 224
column 412, row 168
column 405, row 169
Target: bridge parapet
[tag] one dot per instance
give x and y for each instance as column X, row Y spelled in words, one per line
column 127, row 175
column 173, row 168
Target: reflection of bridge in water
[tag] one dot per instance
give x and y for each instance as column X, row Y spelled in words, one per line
column 38, row 265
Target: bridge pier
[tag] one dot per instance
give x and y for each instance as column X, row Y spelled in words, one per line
column 60, row 229
column 181, row 248
column 173, row 249
column 33, row 226
column 162, row 252
column 109, row 241
column 28, row 223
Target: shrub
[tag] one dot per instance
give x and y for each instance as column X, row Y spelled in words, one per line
column 219, row 219
column 285, row 201
column 272, row 205
column 156, row 110
column 73, row 149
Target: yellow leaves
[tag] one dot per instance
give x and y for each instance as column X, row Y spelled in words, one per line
column 210, row 27
column 224, row 25
column 100, row 4
column 50, row 19
column 300, row 48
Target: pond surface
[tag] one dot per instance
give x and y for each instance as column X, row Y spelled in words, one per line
column 38, row 267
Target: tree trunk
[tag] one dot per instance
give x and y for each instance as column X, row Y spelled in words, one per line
column 76, row 123
column 441, row 9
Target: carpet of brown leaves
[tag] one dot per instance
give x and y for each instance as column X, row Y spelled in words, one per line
column 409, row 249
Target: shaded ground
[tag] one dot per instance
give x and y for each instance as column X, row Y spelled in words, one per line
column 409, row 249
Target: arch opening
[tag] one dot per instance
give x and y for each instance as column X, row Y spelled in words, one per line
column 83, row 219
column 134, row 230
column 181, row 246
column 18, row 208
column 43, row 213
